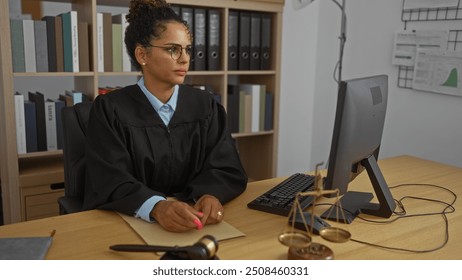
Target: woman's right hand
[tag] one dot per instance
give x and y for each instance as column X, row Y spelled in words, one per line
column 176, row 216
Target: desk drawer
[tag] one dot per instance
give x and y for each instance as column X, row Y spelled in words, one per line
column 40, row 202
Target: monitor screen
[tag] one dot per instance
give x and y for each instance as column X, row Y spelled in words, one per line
column 357, row 135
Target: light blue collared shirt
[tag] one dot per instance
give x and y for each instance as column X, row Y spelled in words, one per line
column 165, row 112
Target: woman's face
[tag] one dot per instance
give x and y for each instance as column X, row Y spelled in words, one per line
column 162, row 64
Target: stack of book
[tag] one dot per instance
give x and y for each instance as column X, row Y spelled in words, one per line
column 249, row 108
column 112, row 55
column 53, row 44
column 38, row 120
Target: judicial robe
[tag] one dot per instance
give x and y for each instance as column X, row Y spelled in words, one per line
column 132, row 155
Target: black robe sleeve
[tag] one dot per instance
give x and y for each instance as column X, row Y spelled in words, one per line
column 222, row 174
column 131, row 155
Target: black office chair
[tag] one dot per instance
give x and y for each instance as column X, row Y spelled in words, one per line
column 74, row 120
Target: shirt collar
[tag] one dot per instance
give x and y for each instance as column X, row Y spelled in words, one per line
column 155, row 102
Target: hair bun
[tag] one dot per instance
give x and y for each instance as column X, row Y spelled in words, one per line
column 138, row 6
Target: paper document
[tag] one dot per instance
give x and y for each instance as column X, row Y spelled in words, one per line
column 154, row 234
column 438, row 71
column 407, row 42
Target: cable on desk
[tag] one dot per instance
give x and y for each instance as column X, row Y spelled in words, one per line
column 449, row 208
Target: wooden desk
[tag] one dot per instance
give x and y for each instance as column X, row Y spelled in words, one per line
column 88, row 235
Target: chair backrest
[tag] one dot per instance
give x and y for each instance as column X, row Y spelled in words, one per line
column 75, row 120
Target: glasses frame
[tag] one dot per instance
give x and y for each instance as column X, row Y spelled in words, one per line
column 169, row 49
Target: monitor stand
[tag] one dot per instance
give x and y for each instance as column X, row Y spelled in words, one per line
column 351, row 203
column 355, row 203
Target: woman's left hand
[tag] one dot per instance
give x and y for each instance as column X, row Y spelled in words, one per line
column 212, row 209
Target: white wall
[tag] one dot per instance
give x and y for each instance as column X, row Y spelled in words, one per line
column 423, row 124
column 297, row 84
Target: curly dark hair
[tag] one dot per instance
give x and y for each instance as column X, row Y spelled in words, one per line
column 147, row 20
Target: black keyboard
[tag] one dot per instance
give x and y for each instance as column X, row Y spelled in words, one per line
column 279, row 200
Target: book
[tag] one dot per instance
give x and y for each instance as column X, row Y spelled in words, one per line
column 31, row 126
column 70, row 41
column 261, row 117
column 24, row 248
column 242, row 114
column 76, row 97
column 268, row 111
column 39, row 99
column 255, row 25
column 117, row 47
column 200, row 49
column 213, row 39
column 50, row 124
column 67, row 99
column 254, row 106
column 59, row 105
column 247, row 112
column 29, row 45
column 17, row 45
column 84, row 47
column 100, row 42
column 20, row 123
column 51, row 42
column 244, row 40
column 121, row 19
column 265, row 50
column 59, row 44
column 107, row 42
column 41, row 45
column 233, row 39
column 232, row 108
column 257, row 93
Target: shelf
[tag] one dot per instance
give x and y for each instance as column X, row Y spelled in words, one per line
column 44, row 154
column 32, row 175
column 252, row 134
column 54, row 74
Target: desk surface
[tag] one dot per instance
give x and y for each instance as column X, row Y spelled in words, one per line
column 88, row 235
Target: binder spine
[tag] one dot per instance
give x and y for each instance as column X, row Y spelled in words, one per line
column 265, row 59
column 233, row 40
column 213, row 35
column 200, row 39
column 188, row 16
column 244, row 40
column 255, row 21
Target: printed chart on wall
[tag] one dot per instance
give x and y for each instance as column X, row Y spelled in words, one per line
column 407, row 43
column 438, row 71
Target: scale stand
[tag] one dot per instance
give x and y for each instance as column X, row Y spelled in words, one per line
column 300, row 243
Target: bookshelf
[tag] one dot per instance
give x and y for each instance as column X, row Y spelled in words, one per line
column 30, row 182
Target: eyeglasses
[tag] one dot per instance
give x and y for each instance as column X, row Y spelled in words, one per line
column 175, row 50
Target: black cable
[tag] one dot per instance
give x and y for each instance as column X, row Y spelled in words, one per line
column 449, row 208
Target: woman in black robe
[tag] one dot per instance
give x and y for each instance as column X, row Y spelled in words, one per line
column 159, row 138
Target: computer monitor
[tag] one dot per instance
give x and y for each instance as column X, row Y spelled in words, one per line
column 357, row 135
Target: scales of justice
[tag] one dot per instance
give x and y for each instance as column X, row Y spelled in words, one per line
column 300, row 243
